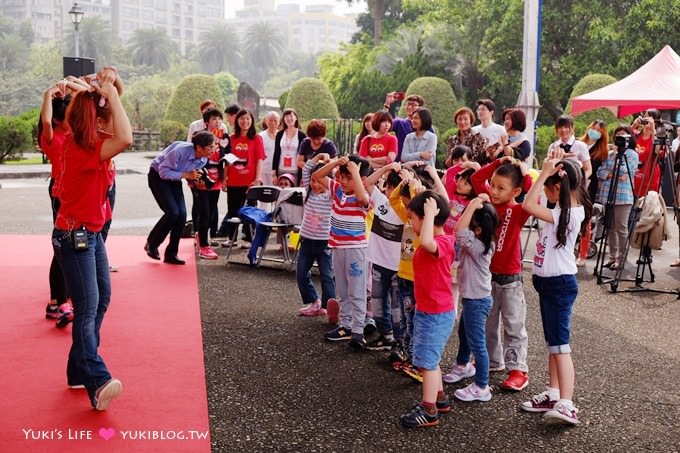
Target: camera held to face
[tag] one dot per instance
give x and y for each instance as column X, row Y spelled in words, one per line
column 207, row 180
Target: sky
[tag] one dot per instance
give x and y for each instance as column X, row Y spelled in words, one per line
column 340, row 6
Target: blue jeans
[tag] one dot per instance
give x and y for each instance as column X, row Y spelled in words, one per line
column 88, row 281
column 556, row 297
column 407, row 303
column 381, row 298
column 311, row 250
column 475, row 312
column 432, row 331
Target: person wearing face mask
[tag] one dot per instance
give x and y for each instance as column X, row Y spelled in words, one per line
column 598, row 144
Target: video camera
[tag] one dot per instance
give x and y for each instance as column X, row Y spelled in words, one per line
column 622, row 142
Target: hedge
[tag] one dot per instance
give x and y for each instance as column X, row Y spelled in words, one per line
column 311, row 99
column 186, row 99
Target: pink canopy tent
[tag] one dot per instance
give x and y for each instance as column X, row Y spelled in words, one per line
column 654, row 85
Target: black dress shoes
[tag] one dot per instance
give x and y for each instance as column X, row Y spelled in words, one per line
column 173, row 260
column 152, row 252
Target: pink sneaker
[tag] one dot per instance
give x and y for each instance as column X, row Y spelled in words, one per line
column 473, row 393
column 65, row 315
column 207, row 253
column 313, row 309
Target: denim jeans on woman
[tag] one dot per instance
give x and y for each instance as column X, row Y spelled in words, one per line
column 88, row 281
column 311, row 250
column 475, row 313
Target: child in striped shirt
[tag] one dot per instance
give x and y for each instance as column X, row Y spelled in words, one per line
column 348, row 241
column 314, row 235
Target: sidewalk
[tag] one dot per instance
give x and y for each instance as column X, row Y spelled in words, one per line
column 126, row 163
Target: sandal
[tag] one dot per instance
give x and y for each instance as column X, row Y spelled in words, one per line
column 675, row 263
column 609, row 264
column 616, row 266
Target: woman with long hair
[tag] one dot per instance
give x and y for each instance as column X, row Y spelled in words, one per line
column 246, row 171
column 596, row 137
column 100, row 130
column 286, row 146
column 366, row 129
column 421, row 144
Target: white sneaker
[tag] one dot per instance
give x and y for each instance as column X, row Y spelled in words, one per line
column 473, row 393
column 246, row 245
column 562, row 414
column 496, row 369
column 459, row 372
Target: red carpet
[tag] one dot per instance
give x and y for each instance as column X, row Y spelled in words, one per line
column 151, row 341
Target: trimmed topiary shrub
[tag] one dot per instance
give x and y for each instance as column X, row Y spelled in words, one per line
column 589, row 83
column 188, row 95
column 172, row 131
column 228, row 86
column 15, row 137
column 311, row 98
column 439, row 98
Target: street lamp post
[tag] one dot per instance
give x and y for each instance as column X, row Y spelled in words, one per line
column 76, row 14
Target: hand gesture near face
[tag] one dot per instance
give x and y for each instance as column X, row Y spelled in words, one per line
column 430, row 207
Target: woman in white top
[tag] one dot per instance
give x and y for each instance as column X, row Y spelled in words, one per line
column 286, row 146
column 271, row 121
column 421, row 144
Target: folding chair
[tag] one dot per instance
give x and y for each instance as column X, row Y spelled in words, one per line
column 264, row 194
column 288, row 214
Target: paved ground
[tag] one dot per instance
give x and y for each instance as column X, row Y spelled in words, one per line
column 275, row 385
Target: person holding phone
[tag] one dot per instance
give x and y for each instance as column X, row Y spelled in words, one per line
column 402, row 126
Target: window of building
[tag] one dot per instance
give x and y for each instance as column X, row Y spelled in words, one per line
column 176, row 33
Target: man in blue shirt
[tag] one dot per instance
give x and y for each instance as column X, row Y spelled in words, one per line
column 402, row 126
column 177, row 161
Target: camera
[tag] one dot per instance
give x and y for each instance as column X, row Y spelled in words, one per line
column 643, row 121
column 622, row 142
column 209, row 182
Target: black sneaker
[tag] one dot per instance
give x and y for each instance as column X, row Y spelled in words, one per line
column 369, row 327
column 380, row 344
column 419, row 418
column 357, row 343
column 397, row 353
column 52, row 311
column 338, row 334
column 444, row 406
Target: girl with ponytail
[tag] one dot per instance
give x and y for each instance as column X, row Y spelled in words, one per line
column 554, row 277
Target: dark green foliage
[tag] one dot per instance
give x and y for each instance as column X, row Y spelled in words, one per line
column 193, row 89
column 228, row 85
column 15, row 137
column 311, row 98
column 283, row 98
column 172, row 131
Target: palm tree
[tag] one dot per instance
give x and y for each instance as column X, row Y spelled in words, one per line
column 263, row 47
column 96, row 39
column 219, row 49
column 407, row 42
column 152, row 47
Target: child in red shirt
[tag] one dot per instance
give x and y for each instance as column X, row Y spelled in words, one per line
column 435, row 308
column 508, row 177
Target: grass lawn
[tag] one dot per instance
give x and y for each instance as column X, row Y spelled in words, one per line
column 26, row 161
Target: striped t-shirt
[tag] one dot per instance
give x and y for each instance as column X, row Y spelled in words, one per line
column 348, row 219
column 316, row 220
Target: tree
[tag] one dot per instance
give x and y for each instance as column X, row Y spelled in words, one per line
column 15, row 137
column 95, row 37
column 439, row 99
column 262, row 48
column 145, row 100
column 45, row 61
column 407, row 42
column 311, row 99
column 378, row 9
column 219, row 49
column 228, row 86
column 12, row 53
column 589, row 83
column 193, row 89
column 152, row 47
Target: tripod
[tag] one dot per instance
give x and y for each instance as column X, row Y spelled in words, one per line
column 645, row 259
column 617, row 173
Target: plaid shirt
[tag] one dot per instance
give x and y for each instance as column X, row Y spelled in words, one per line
column 624, row 190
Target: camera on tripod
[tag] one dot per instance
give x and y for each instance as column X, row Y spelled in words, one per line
column 622, row 142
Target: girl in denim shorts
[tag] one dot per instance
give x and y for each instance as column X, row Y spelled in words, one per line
column 554, row 277
column 435, row 308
